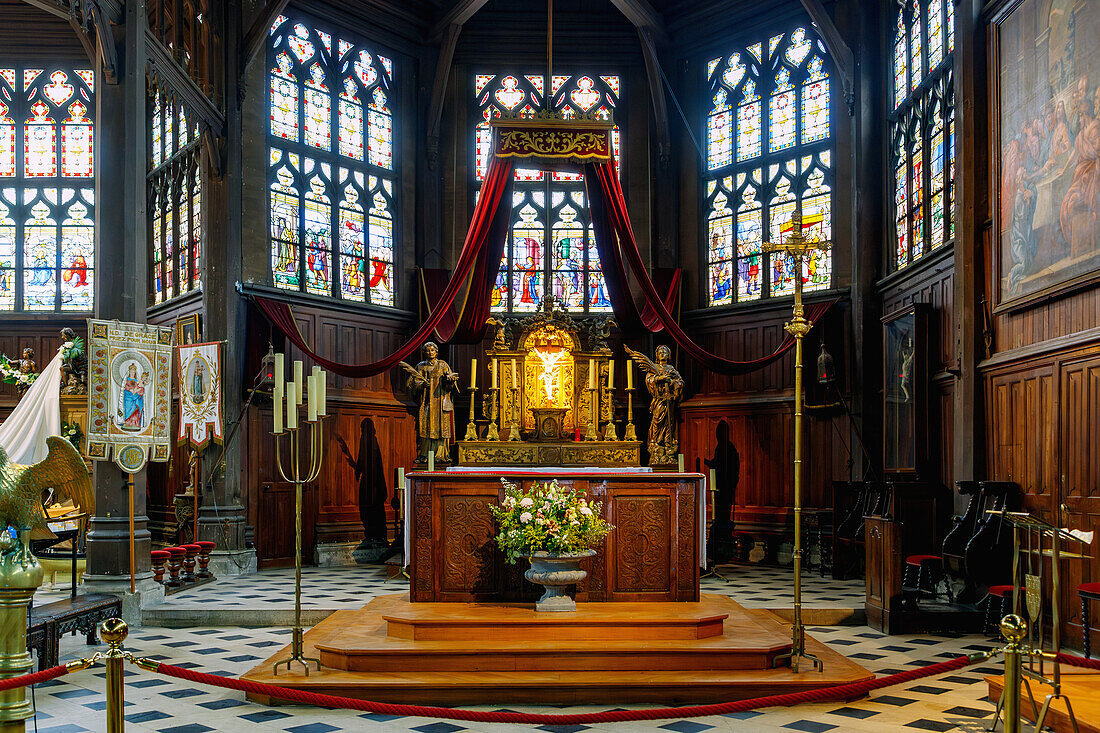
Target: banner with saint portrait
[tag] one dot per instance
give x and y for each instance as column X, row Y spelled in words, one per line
column 200, row 388
column 129, row 400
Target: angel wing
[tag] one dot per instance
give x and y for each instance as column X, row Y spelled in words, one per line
column 644, row 362
column 62, row 470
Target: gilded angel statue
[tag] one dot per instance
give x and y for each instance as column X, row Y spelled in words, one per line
column 666, row 387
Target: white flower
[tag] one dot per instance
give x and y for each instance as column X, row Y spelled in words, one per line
column 68, row 344
column 510, row 502
column 585, row 511
column 575, row 523
column 526, row 502
column 525, row 517
column 540, row 520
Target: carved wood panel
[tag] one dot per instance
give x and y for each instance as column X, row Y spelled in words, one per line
column 469, row 553
column 641, row 544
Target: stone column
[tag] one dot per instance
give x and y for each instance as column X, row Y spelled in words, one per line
column 121, row 292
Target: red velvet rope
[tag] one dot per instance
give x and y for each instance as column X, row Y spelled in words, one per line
column 1073, row 661
column 43, row 675
column 839, row 692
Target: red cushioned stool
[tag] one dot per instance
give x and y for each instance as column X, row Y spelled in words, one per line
column 175, row 562
column 191, row 555
column 1087, row 592
column 998, row 605
column 205, row 548
column 158, row 559
column 923, row 572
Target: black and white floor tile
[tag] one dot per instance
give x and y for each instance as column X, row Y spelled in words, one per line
column 75, row 703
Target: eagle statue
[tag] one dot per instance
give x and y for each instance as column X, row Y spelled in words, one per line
column 22, row 488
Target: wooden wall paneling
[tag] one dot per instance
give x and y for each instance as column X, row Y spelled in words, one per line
column 1022, row 405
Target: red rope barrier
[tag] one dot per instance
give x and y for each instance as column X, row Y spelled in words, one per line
column 44, row 675
column 1073, row 661
column 839, row 692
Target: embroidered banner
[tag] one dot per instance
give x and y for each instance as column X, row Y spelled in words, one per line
column 200, row 388
column 580, row 140
column 129, row 401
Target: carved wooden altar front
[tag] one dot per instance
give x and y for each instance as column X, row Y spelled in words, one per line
column 651, row 555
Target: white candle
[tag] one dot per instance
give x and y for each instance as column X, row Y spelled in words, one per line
column 713, row 480
column 592, row 374
column 514, row 382
column 277, row 409
column 298, row 391
column 630, row 374
column 311, row 388
column 431, row 460
column 322, row 389
column 291, row 406
column 610, row 374
column 401, row 478
column 280, row 360
column 494, row 373
column 680, row 462
column 473, row 373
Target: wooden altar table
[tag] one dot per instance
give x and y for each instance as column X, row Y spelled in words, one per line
column 653, row 554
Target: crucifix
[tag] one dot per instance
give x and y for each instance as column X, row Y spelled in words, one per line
column 798, row 247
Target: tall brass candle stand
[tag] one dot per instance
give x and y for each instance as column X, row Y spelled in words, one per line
column 493, row 433
column 471, row 428
column 593, row 406
column 609, row 433
column 797, row 246
column 628, row 431
column 513, row 430
column 20, row 576
column 293, row 473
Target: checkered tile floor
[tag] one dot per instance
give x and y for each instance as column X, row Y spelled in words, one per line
column 75, row 703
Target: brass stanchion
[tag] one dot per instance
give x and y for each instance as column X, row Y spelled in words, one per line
column 114, row 631
column 20, row 576
column 797, row 246
column 1014, row 630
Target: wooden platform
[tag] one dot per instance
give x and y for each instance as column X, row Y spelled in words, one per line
column 1082, row 687
column 604, row 653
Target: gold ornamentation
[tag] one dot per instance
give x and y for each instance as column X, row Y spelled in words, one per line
column 21, row 487
column 588, row 144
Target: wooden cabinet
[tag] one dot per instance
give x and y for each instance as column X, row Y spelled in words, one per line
column 884, row 568
column 651, row 555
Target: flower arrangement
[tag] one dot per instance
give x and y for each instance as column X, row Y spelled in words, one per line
column 10, row 374
column 549, row 519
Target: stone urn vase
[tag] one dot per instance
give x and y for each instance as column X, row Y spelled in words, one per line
column 555, row 573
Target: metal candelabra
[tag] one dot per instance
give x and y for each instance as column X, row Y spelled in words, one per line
column 513, row 431
column 493, row 433
column 797, row 246
column 593, row 406
column 629, row 431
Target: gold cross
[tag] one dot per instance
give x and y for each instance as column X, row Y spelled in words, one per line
column 797, row 246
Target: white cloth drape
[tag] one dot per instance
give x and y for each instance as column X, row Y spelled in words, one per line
column 36, row 417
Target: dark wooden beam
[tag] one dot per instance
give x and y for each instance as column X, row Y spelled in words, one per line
column 85, row 39
column 459, row 13
column 656, row 92
column 439, row 89
column 50, row 6
column 107, row 50
column 168, row 72
column 254, row 38
column 642, row 15
column 843, row 58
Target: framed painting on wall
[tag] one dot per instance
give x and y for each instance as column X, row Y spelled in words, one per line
column 904, row 406
column 1045, row 73
column 187, row 330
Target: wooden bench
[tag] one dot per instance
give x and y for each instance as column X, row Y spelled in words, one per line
column 47, row 624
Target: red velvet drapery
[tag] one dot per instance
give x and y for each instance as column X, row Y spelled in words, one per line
column 474, row 263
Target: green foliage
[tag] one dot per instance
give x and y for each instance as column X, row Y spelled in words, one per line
column 549, row 519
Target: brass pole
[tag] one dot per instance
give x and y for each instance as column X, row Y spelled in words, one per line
column 133, row 551
column 1014, row 629
column 20, row 576
column 114, row 631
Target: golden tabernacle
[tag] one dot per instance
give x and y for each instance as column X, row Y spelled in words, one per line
column 550, row 400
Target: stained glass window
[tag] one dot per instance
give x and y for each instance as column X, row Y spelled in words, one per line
column 330, row 164
column 47, row 207
column 551, row 248
column 175, row 196
column 923, row 123
column 775, row 158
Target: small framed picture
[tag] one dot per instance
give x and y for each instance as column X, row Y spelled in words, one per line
column 187, row 330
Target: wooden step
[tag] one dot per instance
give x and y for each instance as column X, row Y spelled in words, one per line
column 591, row 621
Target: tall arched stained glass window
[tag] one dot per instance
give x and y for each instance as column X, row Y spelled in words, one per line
column 330, row 164
column 47, row 207
column 923, row 127
column 769, row 151
column 551, row 248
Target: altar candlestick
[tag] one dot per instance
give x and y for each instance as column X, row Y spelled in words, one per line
column 680, row 462
column 630, row 374
column 473, row 373
column 280, row 360
column 494, row 373
column 322, row 394
column 311, row 402
column 298, row 382
column 592, row 374
column 291, row 406
column 277, row 409
column 514, row 384
column 610, row 375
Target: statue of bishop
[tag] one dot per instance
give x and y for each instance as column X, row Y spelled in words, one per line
column 432, row 383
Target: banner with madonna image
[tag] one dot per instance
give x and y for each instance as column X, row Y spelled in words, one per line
column 200, row 387
column 129, row 393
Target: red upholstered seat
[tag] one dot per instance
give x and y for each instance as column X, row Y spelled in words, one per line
column 205, row 544
column 918, row 559
column 1089, row 588
column 160, row 554
column 175, row 551
column 191, row 548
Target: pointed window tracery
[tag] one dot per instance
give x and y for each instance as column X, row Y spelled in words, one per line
column 769, row 151
column 331, row 164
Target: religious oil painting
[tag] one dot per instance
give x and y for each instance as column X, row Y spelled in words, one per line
column 1048, row 110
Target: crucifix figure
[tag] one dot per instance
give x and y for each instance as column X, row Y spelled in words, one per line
column 798, row 246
